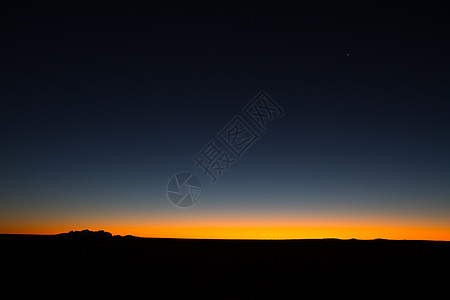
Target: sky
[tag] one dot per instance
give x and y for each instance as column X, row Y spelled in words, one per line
column 102, row 104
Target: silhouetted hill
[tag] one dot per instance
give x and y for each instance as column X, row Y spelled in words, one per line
column 104, row 266
column 87, row 233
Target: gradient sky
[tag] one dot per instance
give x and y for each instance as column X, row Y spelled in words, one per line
column 103, row 104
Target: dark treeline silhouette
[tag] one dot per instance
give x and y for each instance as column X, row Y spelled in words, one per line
column 88, row 264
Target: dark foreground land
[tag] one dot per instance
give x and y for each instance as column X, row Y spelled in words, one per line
column 68, row 266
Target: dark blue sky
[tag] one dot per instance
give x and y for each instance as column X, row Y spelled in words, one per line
column 102, row 104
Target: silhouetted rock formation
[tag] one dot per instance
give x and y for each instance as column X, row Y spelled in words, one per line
column 88, row 233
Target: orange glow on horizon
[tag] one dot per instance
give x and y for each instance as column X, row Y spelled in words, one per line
column 253, row 228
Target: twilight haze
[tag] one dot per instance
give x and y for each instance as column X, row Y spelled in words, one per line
column 103, row 104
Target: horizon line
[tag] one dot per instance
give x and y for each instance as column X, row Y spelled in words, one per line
column 228, row 239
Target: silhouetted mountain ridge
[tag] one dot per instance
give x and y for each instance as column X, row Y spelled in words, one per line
column 104, row 234
column 86, row 233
